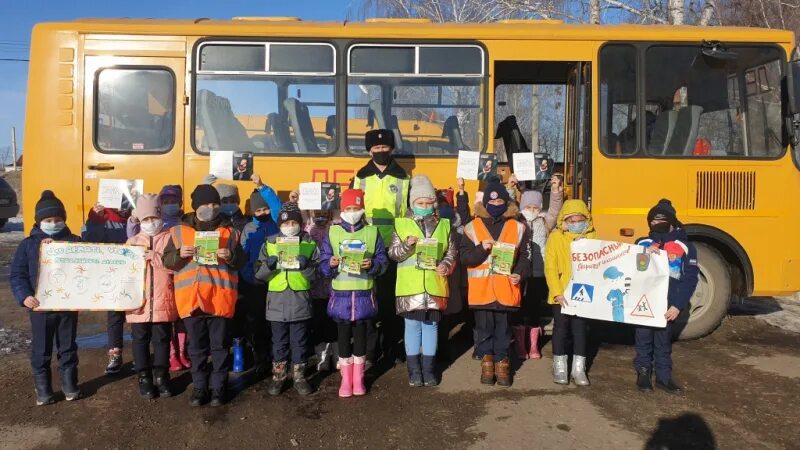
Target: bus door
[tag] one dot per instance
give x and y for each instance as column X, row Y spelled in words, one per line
column 577, row 157
column 133, row 124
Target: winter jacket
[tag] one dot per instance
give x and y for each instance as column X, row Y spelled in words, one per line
column 239, row 220
column 399, row 251
column 540, row 228
column 25, row 265
column 274, row 203
column 352, row 305
column 558, row 255
column 254, row 235
column 682, row 257
column 106, row 228
column 321, row 287
column 159, row 299
column 288, row 305
column 472, row 255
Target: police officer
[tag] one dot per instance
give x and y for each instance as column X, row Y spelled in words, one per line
column 385, row 185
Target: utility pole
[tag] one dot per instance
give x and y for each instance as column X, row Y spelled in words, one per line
column 14, row 147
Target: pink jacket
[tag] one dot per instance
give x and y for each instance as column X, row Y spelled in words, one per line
column 159, row 304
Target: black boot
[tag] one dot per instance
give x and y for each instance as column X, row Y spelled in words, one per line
column 44, row 389
column 218, row 397
column 279, row 375
column 429, row 370
column 668, row 386
column 69, row 384
column 199, row 397
column 299, row 376
column 146, row 388
column 414, row 371
column 643, row 379
column 161, row 382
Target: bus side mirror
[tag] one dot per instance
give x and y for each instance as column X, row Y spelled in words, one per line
column 793, row 87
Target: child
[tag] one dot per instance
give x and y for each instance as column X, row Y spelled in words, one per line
column 667, row 234
column 50, row 216
column 352, row 298
column 153, row 321
column 491, row 294
column 229, row 196
column 422, row 294
column 289, row 301
column 206, row 294
column 540, row 224
column 574, row 222
column 324, row 328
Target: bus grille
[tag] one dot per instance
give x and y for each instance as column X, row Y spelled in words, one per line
column 726, row 190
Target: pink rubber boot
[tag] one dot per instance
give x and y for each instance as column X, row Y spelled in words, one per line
column 346, row 369
column 519, row 342
column 359, row 363
column 183, row 354
column 535, row 333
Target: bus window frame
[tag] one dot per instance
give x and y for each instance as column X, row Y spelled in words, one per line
column 641, row 103
column 484, row 85
column 194, row 72
column 96, row 104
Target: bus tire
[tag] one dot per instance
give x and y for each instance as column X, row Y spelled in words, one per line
column 712, row 298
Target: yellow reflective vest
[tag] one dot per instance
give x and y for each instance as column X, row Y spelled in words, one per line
column 411, row 280
column 385, row 200
column 292, row 279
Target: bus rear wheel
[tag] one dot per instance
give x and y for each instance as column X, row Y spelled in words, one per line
column 711, row 300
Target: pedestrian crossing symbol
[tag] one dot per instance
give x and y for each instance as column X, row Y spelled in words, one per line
column 642, row 308
column 582, row 293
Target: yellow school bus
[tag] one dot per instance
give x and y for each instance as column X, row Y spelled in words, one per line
column 149, row 99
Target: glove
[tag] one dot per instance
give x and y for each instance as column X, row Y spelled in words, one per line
column 303, row 261
column 209, row 179
column 272, row 262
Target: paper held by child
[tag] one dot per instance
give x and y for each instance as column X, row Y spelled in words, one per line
column 206, row 244
column 288, row 251
column 503, row 258
column 427, row 252
column 351, row 260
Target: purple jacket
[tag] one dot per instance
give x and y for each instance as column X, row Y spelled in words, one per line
column 352, row 305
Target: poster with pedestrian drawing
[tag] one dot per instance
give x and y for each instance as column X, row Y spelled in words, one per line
column 617, row 282
column 90, row 277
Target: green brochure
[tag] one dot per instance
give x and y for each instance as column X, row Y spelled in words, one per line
column 503, row 258
column 427, row 253
column 206, row 244
column 288, row 251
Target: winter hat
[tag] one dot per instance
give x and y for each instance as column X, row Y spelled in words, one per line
column 379, row 137
column 664, row 211
column 421, row 187
column 493, row 191
column 352, row 197
column 204, row 194
column 228, row 191
column 147, row 206
column 171, row 190
column 290, row 211
column 531, row 198
column 257, row 201
column 49, row 206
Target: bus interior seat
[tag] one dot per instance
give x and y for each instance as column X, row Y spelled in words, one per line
column 330, row 126
column 452, row 131
column 302, row 126
column 513, row 140
column 221, row 128
column 277, row 127
column 662, row 132
column 687, row 123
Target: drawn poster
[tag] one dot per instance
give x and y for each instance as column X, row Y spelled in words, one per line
column 119, row 194
column 617, row 282
column 90, row 277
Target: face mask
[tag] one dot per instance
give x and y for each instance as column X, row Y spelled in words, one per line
column 207, row 213
column 320, row 221
column 529, row 215
column 577, row 227
column 230, row 209
column 171, row 210
column 382, row 158
column 496, row 210
column 52, row 229
column 290, row 230
column 152, row 228
column 422, row 212
column 352, row 217
column 263, row 218
column 661, row 227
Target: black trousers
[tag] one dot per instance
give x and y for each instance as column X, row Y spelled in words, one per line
column 385, row 333
column 45, row 326
column 250, row 320
column 159, row 334
column 533, row 303
column 565, row 326
column 358, row 332
column 654, row 348
column 290, row 337
column 208, row 336
column 492, row 333
column 115, row 321
column 323, row 328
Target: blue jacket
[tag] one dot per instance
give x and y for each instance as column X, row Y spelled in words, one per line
column 254, row 235
column 25, row 265
column 682, row 263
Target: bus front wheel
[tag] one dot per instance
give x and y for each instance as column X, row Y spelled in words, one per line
column 709, row 304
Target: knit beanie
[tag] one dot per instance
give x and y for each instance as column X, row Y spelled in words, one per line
column 493, row 191
column 49, row 206
column 204, row 194
column 664, row 211
column 228, row 191
column 147, row 206
column 257, row 201
column 171, row 190
column 352, row 197
column 290, row 211
column 421, row 187
column 379, row 137
column 531, row 198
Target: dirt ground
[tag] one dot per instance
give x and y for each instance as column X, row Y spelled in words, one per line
column 741, row 388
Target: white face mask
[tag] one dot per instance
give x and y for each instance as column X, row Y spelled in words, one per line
column 290, row 230
column 352, row 217
column 153, row 227
column 529, row 215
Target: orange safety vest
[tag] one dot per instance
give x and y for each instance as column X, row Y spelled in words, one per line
column 209, row 288
column 486, row 287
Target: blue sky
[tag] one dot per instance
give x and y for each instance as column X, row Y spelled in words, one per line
column 17, row 21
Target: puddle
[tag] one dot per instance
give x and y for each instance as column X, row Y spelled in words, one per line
column 782, row 365
column 99, row 340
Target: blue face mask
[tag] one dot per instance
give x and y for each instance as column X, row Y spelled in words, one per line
column 229, row 209
column 52, row 229
column 496, row 210
column 577, row 227
column 422, row 212
column 171, row 210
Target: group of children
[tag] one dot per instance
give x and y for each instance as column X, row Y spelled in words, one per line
column 192, row 311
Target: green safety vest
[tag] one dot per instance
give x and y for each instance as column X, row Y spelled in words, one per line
column 292, row 279
column 411, row 280
column 385, row 200
column 345, row 281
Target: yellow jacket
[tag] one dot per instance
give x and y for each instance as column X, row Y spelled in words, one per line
column 558, row 257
